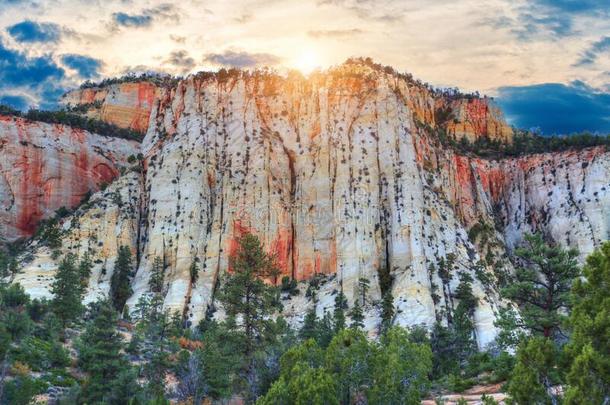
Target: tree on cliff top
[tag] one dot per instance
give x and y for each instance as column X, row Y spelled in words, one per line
column 541, row 285
column 249, row 303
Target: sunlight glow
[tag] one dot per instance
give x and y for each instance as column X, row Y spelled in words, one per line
column 307, row 62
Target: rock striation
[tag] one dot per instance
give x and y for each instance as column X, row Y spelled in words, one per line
column 47, row 166
column 342, row 176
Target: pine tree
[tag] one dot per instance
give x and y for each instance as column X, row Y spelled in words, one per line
column 120, row 288
column 67, row 290
column 363, row 288
column 309, row 330
column 589, row 322
column 357, row 316
column 463, row 323
column 84, row 270
column 194, row 272
column 535, row 372
column 249, row 302
column 339, row 312
column 100, row 357
column 155, row 283
column 541, row 287
column 387, row 311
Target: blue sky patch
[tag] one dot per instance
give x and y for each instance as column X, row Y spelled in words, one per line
column 556, row 108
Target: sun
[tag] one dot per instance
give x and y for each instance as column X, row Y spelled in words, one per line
column 306, row 62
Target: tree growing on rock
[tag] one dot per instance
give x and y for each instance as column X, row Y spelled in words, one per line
column 120, row 288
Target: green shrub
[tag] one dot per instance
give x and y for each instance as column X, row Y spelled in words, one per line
column 41, row 355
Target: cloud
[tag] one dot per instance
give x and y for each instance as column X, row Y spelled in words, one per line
column 177, row 38
column 181, row 59
column 335, row 33
column 590, row 55
column 557, row 108
column 132, row 20
column 369, row 9
column 555, row 16
column 163, row 11
column 242, row 59
column 87, row 67
column 31, row 31
column 17, row 102
column 39, row 76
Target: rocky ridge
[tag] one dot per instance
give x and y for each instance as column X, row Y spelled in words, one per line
column 342, row 176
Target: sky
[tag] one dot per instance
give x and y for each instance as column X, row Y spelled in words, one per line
column 546, row 62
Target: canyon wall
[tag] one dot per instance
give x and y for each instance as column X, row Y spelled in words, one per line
column 47, row 166
column 341, row 176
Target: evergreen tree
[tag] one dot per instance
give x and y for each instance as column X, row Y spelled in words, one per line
column 400, row 369
column 463, row 324
column 84, row 269
column 535, row 372
column 357, row 316
column 309, row 330
column 363, row 288
column 347, row 358
column 387, row 311
column 249, row 302
column 589, row 346
column 67, row 290
column 339, row 312
column 194, row 272
column 541, row 286
column 100, row 357
column 155, row 283
column 120, row 288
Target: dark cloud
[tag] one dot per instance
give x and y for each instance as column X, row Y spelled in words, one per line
column 39, row 77
column 87, row 67
column 31, row 31
column 17, row 102
column 181, row 59
column 557, row 108
column 242, row 59
column 132, row 20
column 590, row 55
column 335, row 33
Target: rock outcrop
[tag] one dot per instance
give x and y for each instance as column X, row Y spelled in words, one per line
column 342, row 176
column 47, row 166
column 126, row 105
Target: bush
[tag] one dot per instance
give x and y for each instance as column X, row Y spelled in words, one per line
column 41, row 355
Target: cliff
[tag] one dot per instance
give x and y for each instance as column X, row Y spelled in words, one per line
column 45, row 167
column 342, row 176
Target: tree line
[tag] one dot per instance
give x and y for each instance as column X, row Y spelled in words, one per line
column 558, row 326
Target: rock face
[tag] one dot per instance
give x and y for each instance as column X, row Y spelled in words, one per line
column 342, row 176
column 46, row 166
column 126, row 105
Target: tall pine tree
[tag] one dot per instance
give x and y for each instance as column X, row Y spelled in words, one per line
column 249, row 302
column 100, row 357
column 541, row 285
column 120, row 288
column 67, row 290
